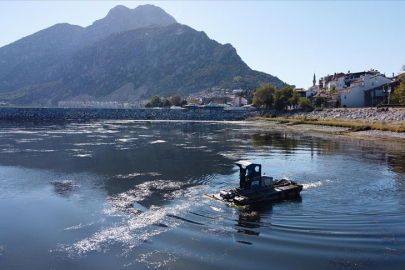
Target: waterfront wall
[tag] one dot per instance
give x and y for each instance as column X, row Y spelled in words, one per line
column 65, row 114
column 373, row 114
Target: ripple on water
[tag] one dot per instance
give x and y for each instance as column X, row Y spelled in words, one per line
column 135, row 174
column 138, row 224
column 158, row 141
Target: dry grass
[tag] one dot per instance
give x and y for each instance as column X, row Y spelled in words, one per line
column 354, row 125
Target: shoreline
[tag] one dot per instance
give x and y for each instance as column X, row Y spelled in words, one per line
column 386, row 139
column 362, row 123
column 371, row 123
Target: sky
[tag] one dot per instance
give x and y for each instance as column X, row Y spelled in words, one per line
column 288, row 39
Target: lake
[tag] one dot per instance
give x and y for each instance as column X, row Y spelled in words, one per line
column 130, row 195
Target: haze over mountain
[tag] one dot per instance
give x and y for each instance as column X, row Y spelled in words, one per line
column 127, row 55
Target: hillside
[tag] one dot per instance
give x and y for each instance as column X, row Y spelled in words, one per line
column 32, row 60
column 128, row 55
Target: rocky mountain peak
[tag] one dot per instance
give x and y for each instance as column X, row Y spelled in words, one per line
column 121, row 18
column 127, row 55
column 118, row 10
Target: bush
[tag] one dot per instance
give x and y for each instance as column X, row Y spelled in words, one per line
column 305, row 104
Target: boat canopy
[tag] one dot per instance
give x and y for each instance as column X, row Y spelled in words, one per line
column 252, row 169
column 247, row 172
column 243, row 163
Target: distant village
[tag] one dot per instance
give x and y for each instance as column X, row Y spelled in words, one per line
column 352, row 90
column 214, row 99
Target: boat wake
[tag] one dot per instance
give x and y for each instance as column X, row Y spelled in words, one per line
column 137, row 224
column 315, row 184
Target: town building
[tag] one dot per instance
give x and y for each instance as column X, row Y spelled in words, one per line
column 358, row 89
column 366, row 85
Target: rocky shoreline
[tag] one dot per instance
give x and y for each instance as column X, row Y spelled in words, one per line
column 382, row 116
column 373, row 114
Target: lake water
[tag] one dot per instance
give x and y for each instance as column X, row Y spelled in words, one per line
column 128, row 194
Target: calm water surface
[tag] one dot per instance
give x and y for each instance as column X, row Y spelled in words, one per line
column 126, row 194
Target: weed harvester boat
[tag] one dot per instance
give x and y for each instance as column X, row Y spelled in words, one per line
column 256, row 188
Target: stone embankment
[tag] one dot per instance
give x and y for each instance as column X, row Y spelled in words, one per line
column 390, row 115
column 371, row 114
column 64, row 114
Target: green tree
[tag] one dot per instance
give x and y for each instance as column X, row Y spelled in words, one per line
column 305, row 103
column 295, row 99
column 166, row 103
column 183, row 102
column 278, row 102
column 283, row 98
column 319, row 101
column 398, row 97
column 155, row 101
column 176, row 100
column 333, row 90
column 193, row 100
column 263, row 96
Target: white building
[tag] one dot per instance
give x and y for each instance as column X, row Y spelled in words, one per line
column 239, row 101
column 354, row 95
column 337, row 83
column 306, row 93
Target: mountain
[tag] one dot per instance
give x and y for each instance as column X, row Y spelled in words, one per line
column 31, row 60
column 127, row 55
column 122, row 18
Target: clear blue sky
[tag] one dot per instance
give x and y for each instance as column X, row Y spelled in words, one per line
column 288, row 39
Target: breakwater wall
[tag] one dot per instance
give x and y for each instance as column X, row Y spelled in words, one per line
column 374, row 114
column 66, row 114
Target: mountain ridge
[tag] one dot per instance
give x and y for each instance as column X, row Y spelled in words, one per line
column 156, row 57
column 53, row 45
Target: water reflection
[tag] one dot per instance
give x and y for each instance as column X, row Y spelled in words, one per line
column 64, row 187
column 249, row 220
column 138, row 197
column 397, row 162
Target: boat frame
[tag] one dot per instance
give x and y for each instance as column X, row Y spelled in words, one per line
column 257, row 188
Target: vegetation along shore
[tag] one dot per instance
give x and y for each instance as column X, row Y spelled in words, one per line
column 368, row 123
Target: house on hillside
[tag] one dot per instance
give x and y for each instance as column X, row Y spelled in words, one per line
column 369, row 84
column 305, row 93
column 337, row 81
column 359, row 89
column 238, row 101
column 351, row 77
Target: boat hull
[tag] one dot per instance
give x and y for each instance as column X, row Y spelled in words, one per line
column 282, row 190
